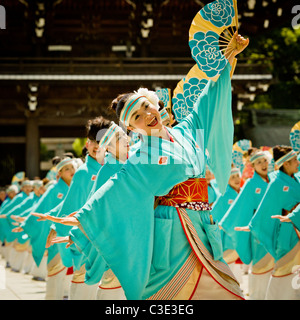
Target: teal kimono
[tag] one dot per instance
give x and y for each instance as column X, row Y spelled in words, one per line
column 20, row 197
column 295, row 217
column 239, row 214
column 38, row 230
column 283, row 193
column 213, row 191
column 81, row 185
column 3, row 205
column 28, row 203
column 219, row 209
column 94, row 263
column 145, row 249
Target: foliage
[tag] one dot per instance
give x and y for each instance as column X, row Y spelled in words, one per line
column 279, row 49
column 78, row 144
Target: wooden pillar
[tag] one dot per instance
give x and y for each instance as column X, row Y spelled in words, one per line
column 32, row 147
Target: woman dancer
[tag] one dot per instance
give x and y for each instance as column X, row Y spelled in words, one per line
column 82, row 183
column 240, row 213
column 38, row 231
column 280, row 240
column 149, row 252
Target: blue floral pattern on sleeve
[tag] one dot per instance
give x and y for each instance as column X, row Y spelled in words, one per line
column 220, row 13
column 206, row 52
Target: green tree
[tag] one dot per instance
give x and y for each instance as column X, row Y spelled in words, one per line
column 77, row 145
column 279, row 49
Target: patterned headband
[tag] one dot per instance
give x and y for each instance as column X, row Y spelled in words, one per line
column 132, row 105
column 63, row 163
column 285, row 158
column 164, row 114
column 257, row 156
column 234, row 171
column 109, row 134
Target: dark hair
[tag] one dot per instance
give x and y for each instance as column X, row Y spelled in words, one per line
column 161, row 105
column 84, row 151
column 69, row 155
column 279, row 151
column 118, row 103
column 93, row 126
column 45, row 181
column 251, row 151
column 56, row 160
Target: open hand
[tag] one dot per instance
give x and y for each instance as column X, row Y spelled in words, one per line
column 66, row 239
column 18, row 229
column 242, row 229
column 281, row 218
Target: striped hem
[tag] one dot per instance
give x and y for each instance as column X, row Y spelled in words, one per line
column 173, row 287
column 217, row 264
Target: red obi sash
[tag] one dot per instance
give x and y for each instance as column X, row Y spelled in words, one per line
column 191, row 194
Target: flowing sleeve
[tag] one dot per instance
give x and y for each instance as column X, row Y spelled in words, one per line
column 263, row 227
column 219, row 207
column 212, row 112
column 105, row 172
column 239, row 214
column 81, row 242
column 38, row 230
column 119, row 220
column 74, row 200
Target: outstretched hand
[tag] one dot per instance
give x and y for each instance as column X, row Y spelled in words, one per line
column 63, row 220
column 17, row 218
column 281, row 218
column 18, row 229
column 242, row 229
column 66, row 239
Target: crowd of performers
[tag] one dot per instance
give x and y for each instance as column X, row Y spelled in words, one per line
column 158, row 211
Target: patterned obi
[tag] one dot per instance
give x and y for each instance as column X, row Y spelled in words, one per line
column 191, row 194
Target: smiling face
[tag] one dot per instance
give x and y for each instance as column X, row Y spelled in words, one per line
column 146, row 120
column 261, row 166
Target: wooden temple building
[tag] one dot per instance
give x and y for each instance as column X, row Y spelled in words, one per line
column 63, row 61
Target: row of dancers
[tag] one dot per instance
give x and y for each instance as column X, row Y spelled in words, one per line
column 137, row 220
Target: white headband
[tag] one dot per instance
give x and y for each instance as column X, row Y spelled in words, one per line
column 258, row 155
column 63, row 163
column 285, row 158
column 234, row 171
column 109, row 134
column 135, row 101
